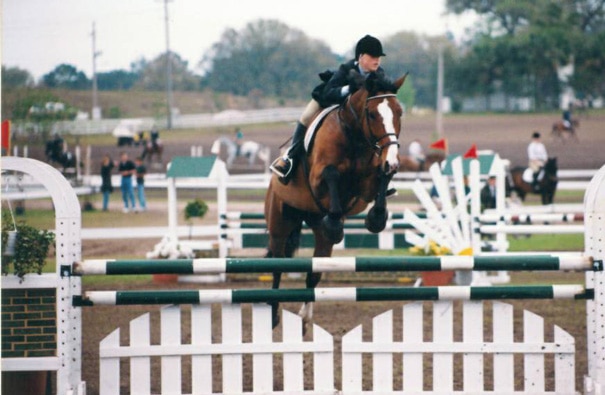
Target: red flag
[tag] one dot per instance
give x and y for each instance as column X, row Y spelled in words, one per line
column 471, row 153
column 6, row 137
column 439, row 144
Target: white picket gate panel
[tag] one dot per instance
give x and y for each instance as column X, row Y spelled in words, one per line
column 473, row 348
column 232, row 349
column 382, row 348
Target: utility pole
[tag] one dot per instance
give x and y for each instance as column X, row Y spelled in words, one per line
column 168, row 70
column 439, row 120
column 96, row 110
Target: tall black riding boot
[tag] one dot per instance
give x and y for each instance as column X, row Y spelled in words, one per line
column 285, row 166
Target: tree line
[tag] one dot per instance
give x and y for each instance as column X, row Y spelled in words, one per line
column 518, row 49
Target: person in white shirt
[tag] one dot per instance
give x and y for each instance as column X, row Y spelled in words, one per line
column 417, row 153
column 537, row 155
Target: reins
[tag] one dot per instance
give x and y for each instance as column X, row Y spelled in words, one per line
column 375, row 146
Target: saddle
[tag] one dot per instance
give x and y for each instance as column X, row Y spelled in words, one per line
column 310, row 134
column 528, row 175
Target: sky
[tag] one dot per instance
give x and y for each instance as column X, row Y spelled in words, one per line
column 38, row 35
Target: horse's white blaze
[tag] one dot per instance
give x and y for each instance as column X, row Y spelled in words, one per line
column 387, row 118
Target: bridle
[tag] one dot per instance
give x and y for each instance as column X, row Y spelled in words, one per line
column 370, row 139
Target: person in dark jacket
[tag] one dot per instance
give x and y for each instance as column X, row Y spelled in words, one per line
column 334, row 90
column 107, row 166
column 488, row 194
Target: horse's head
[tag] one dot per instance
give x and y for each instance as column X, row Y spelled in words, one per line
column 550, row 167
column 377, row 114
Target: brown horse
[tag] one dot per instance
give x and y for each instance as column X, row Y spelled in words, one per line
column 547, row 185
column 559, row 130
column 352, row 159
column 407, row 163
column 149, row 150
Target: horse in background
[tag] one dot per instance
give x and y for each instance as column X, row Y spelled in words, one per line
column 348, row 165
column 547, row 182
column 407, row 163
column 559, row 130
column 56, row 152
column 150, row 150
column 250, row 150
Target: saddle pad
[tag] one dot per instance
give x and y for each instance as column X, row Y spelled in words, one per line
column 315, row 124
column 528, row 175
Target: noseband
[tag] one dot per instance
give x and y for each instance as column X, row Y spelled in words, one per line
column 375, row 144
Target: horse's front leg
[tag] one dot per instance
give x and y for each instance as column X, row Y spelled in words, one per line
column 376, row 219
column 332, row 223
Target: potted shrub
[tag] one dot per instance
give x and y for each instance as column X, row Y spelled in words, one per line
column 29, row 250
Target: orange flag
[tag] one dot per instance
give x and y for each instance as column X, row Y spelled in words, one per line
column 471, row 153
column 439, row 144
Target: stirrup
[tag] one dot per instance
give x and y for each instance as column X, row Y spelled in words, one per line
column 283, row 176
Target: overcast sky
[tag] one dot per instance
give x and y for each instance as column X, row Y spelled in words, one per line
column 38, row 35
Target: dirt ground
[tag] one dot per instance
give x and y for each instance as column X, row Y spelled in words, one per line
column 506, row 134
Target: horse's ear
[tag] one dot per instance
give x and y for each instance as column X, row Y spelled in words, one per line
column 401, row 80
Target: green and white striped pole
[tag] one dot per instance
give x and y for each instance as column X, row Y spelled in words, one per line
column 344, row 264
column 152, row 297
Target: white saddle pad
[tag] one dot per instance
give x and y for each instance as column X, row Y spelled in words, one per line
column 313, row 127
column 528, row 175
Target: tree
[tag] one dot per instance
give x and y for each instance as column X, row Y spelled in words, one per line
column 14, row 77
column 533, row 39
column 269, row 57
column 152, row 75
column 66, row 76
column 417, row 54
column 116, row 80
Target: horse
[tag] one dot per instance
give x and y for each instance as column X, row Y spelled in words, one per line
column 407, row 163
column 559, row 128
column 348, row 165
column 547, row 184
column 56, row 152
column 248, row 149
column 149, row 150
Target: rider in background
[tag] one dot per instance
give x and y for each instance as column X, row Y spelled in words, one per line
column 334, row 90
column 155, row 137
column 537, row 155
column 237, row 139
column 567, row 117
column 416, row 152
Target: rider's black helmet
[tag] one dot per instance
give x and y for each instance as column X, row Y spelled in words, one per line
column 536, row 135
column 370, row 45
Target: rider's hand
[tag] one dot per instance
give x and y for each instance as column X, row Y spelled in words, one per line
column 355, row 80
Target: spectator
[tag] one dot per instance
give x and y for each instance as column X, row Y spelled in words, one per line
column 126, row 168
column 140, row 174
column 107, row 166
column 417, row 153
column 488, row 194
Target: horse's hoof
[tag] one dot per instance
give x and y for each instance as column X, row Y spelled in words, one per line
column 332, row 230
column 376, row 220
column 274, row 320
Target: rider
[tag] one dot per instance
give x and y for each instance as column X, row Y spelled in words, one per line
column 537, row 155
column 417, row 153
column 155, row 137
column 338, row 86
column 567, row 117
column 238, row 137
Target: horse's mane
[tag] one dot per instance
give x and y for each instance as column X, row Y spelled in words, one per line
column 379, row 82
